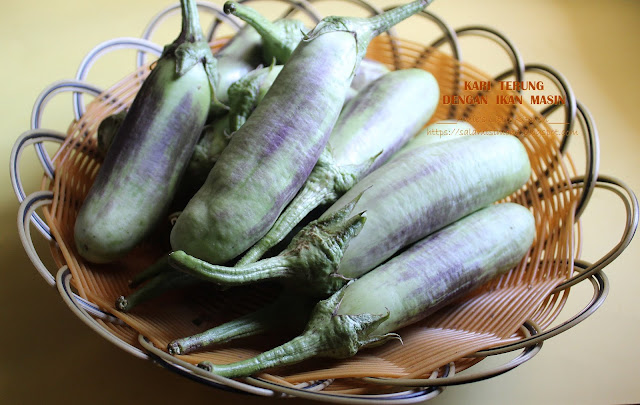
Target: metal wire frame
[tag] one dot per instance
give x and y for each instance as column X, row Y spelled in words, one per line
column 429, row 388
column 304, row 390
column 41, row 102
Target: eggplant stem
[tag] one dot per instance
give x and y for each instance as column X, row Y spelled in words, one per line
column 161, row 283
column 290, row 311
column 272, row 268
column 279, row 38
column 150, row 272
column 191, row 30
column 249, row 325
column 382, row 22
column 326, row 335
column 267, row 29
column 300, row 348
column 310, row 196
column 309, row 263
column 365, row 29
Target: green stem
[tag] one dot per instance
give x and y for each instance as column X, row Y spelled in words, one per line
column 191, row 30
column 267, row 29
column 326, row 183
column 365, row 29
column 300, row 348
column 163, row 282
column 236, row 329
column 279, row 38
column 272, row 268
column 312, row 194
column 326, row 335
column 382, row 22
column 150, row 272
column 191, row 49
column 309, row 263
column 288, row 311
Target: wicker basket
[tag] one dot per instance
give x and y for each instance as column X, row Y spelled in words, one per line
column 516, row 312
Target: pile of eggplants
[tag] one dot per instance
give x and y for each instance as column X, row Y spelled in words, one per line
column 288, row 156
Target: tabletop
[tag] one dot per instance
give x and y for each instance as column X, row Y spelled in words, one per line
column 53, row 357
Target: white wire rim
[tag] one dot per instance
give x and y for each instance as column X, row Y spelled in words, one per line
column 26, row 211
column 201, row 373
column 41, row 102
column 267, row 388
column 26, row 139
column 63, row 278
column 399, row 398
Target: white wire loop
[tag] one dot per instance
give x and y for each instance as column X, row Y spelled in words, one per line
column 142, row 45
column 28, row 138
column 63, row 282
column 41, row 102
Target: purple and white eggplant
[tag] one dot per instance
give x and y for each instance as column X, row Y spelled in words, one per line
column 403, row 201
column 147, row 157
column 430, row 274
column 271, row 156
column 377, row 122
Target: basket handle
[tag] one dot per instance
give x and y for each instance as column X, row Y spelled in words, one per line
column 630, row 201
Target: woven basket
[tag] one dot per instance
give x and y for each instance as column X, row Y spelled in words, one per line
column 515, row 312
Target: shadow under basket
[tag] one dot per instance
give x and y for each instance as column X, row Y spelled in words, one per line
column 514, row 313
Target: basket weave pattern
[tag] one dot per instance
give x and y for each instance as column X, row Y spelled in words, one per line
column 489, row 317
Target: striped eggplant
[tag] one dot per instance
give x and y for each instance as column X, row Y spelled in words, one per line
column 141, row 170
column 242, row 97
column 289, row 312
column 435, row 271
column 437, row 132
column 270, row 157
column 368, row 71
column 404, row 200
column 377, row 122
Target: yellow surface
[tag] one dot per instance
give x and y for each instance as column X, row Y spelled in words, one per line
column 51, row 357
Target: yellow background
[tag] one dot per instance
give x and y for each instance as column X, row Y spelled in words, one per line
column 49, row 356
